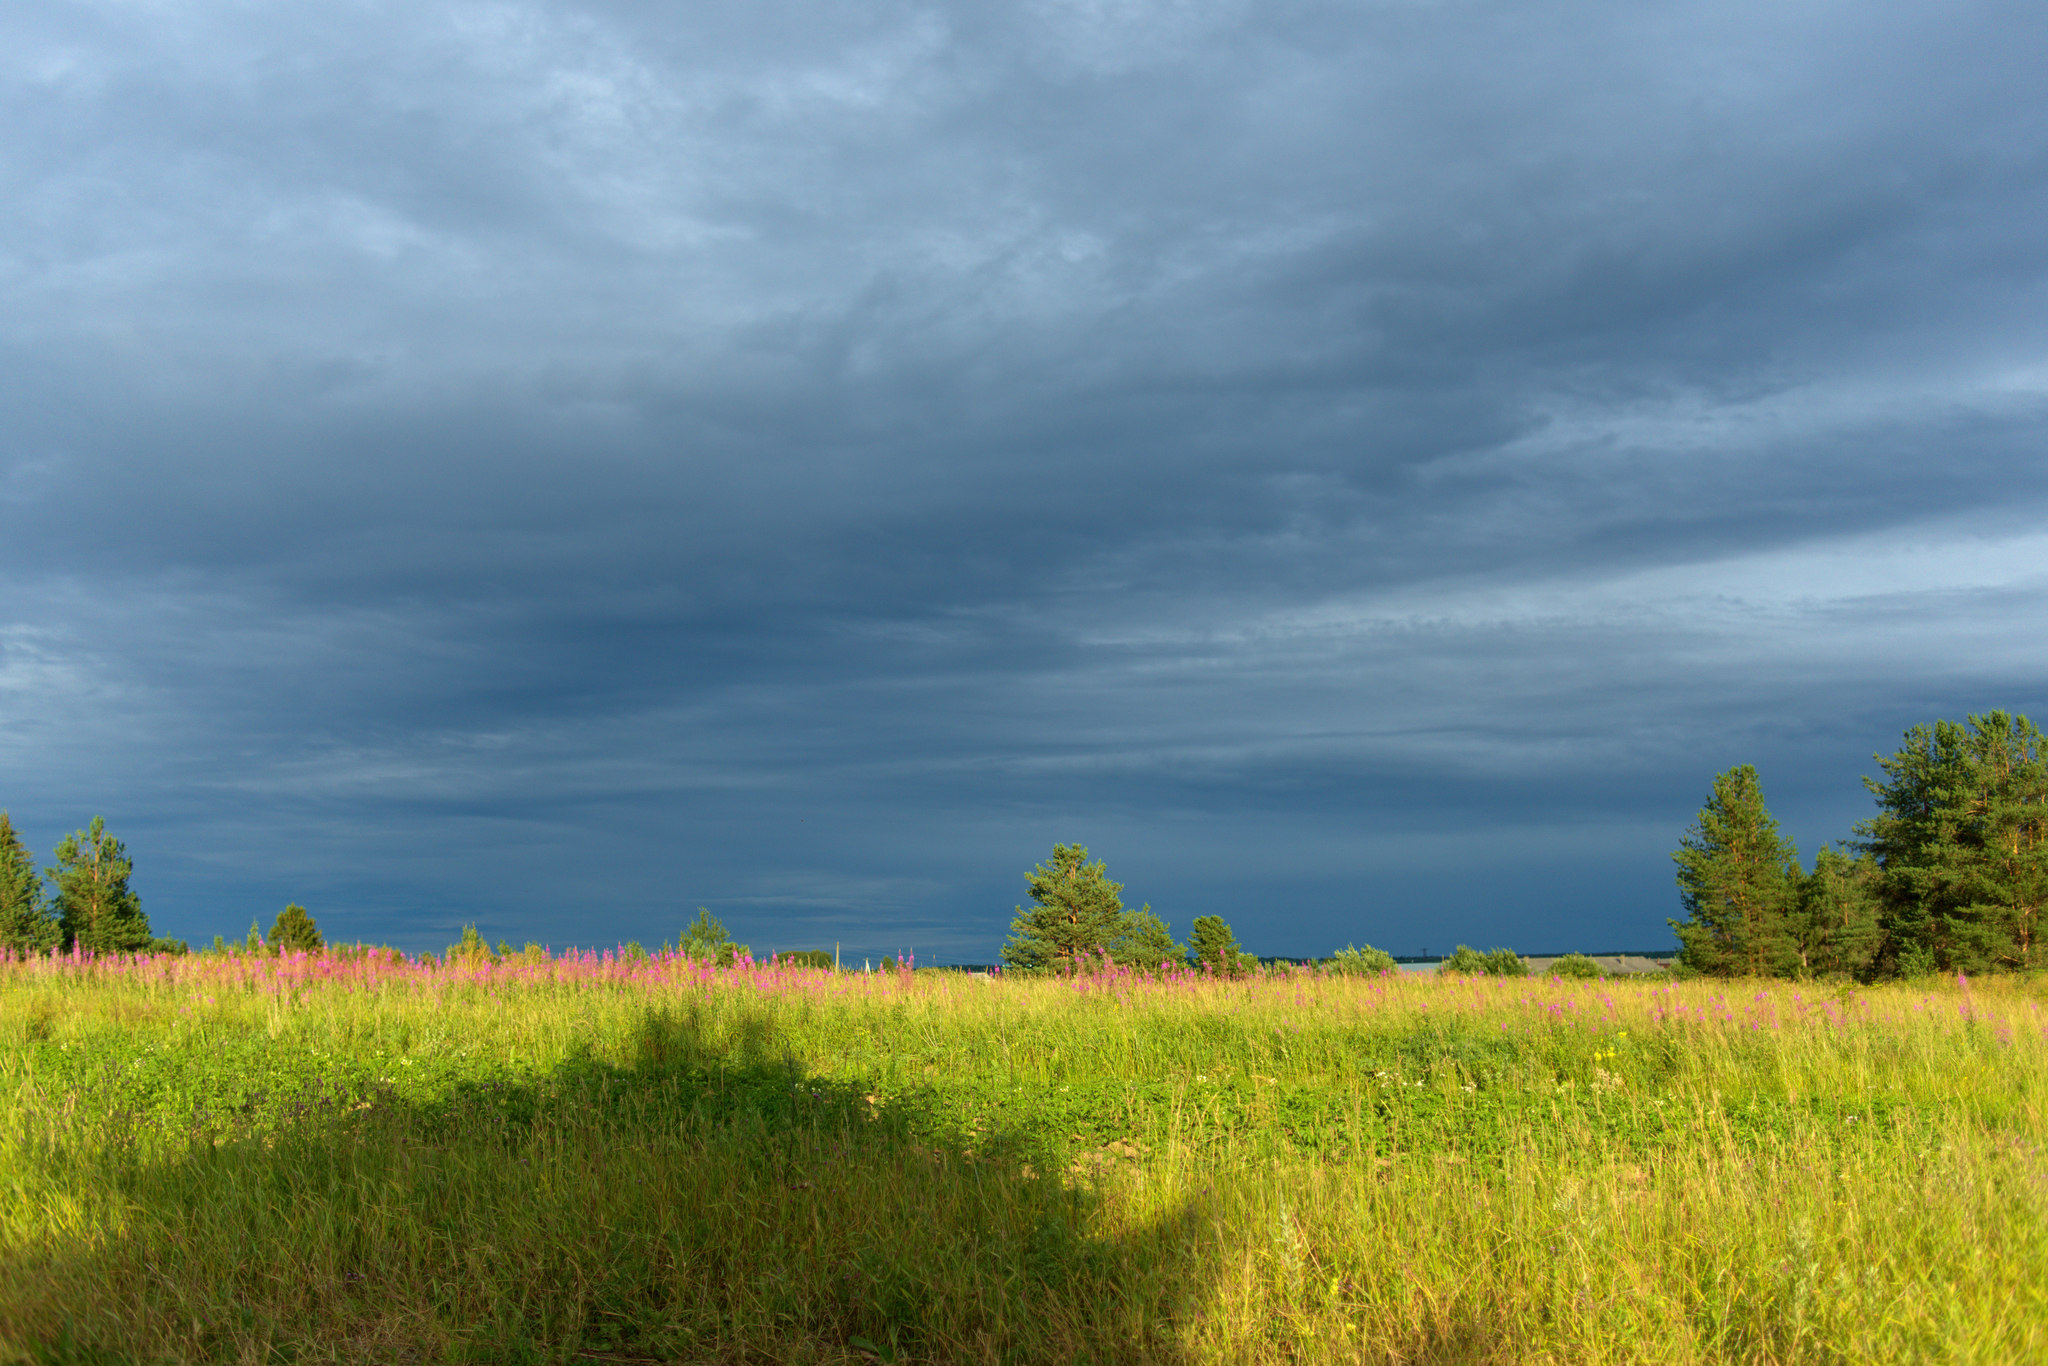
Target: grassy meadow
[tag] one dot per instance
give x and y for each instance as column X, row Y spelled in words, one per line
column 289, row 1159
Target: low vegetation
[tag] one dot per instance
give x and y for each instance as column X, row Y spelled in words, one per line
column 514, row 1157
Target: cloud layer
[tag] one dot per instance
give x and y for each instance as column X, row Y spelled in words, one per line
column 1360, row 468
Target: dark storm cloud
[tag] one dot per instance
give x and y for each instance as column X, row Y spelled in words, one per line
column 1361, row 467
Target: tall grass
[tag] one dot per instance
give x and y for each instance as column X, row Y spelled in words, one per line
column 594, row 1158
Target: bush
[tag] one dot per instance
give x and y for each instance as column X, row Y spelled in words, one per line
column 1575, row 966
column 1466, row 960
column 1351, row 961
column 474, row 951
column 1506, row 963
column 1472, row 963
column 804, row 958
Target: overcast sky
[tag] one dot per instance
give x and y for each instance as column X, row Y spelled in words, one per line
column 1361, row 469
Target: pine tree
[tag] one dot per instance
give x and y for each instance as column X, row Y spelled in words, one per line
column 1736, row 879
column 294, row 932
column 1212, row 945
column 1962, row 836
column 1142, row 940
column 26, row 925
column 1835, row 927
column 708, row 941
column 1075, row 912
column 95, row 909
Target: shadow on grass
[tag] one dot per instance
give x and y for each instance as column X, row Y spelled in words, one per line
column 709, row 1200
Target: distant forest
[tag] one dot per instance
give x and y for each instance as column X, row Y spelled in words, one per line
column 1949, row 875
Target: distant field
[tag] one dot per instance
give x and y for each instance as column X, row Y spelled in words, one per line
column 256, row 1160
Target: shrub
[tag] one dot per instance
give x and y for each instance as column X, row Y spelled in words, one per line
column 1505, row 963
column 1472, row 963
column 1466, row 960
column 473, row 951
column 804, row 958
column 1575, row 966
column 1351, row 961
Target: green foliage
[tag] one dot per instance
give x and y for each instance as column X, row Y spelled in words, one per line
column 1504, row 963
column 1470, row 962
column 1737, row 880
column 1076, row 912
column 294, row 932
column 1835, row 925
column 1466, row 961
column 1961, row 836
column 95, row 908
column 26, row 922
column 473, row 951
column 1213, row 946
column 706, row 941
column 1574, row 967
column 1142, row 940
column 1351, row 961
column 253, row 942
column 804, row 958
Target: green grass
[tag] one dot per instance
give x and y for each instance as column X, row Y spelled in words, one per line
column 276, row 1162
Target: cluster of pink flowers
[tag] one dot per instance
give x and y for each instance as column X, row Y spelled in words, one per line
column 1505, row 1002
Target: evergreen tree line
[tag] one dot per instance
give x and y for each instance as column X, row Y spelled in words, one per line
column 81, row 901
column 1949, row 875
column 1077, row 918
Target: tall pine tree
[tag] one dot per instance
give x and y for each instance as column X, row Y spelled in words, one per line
column 1076, row 911
column 1212, row 945
column 26, row 925
column 95, row 909
column 1961, row 833
column 1736, row 879
column 295, row 932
